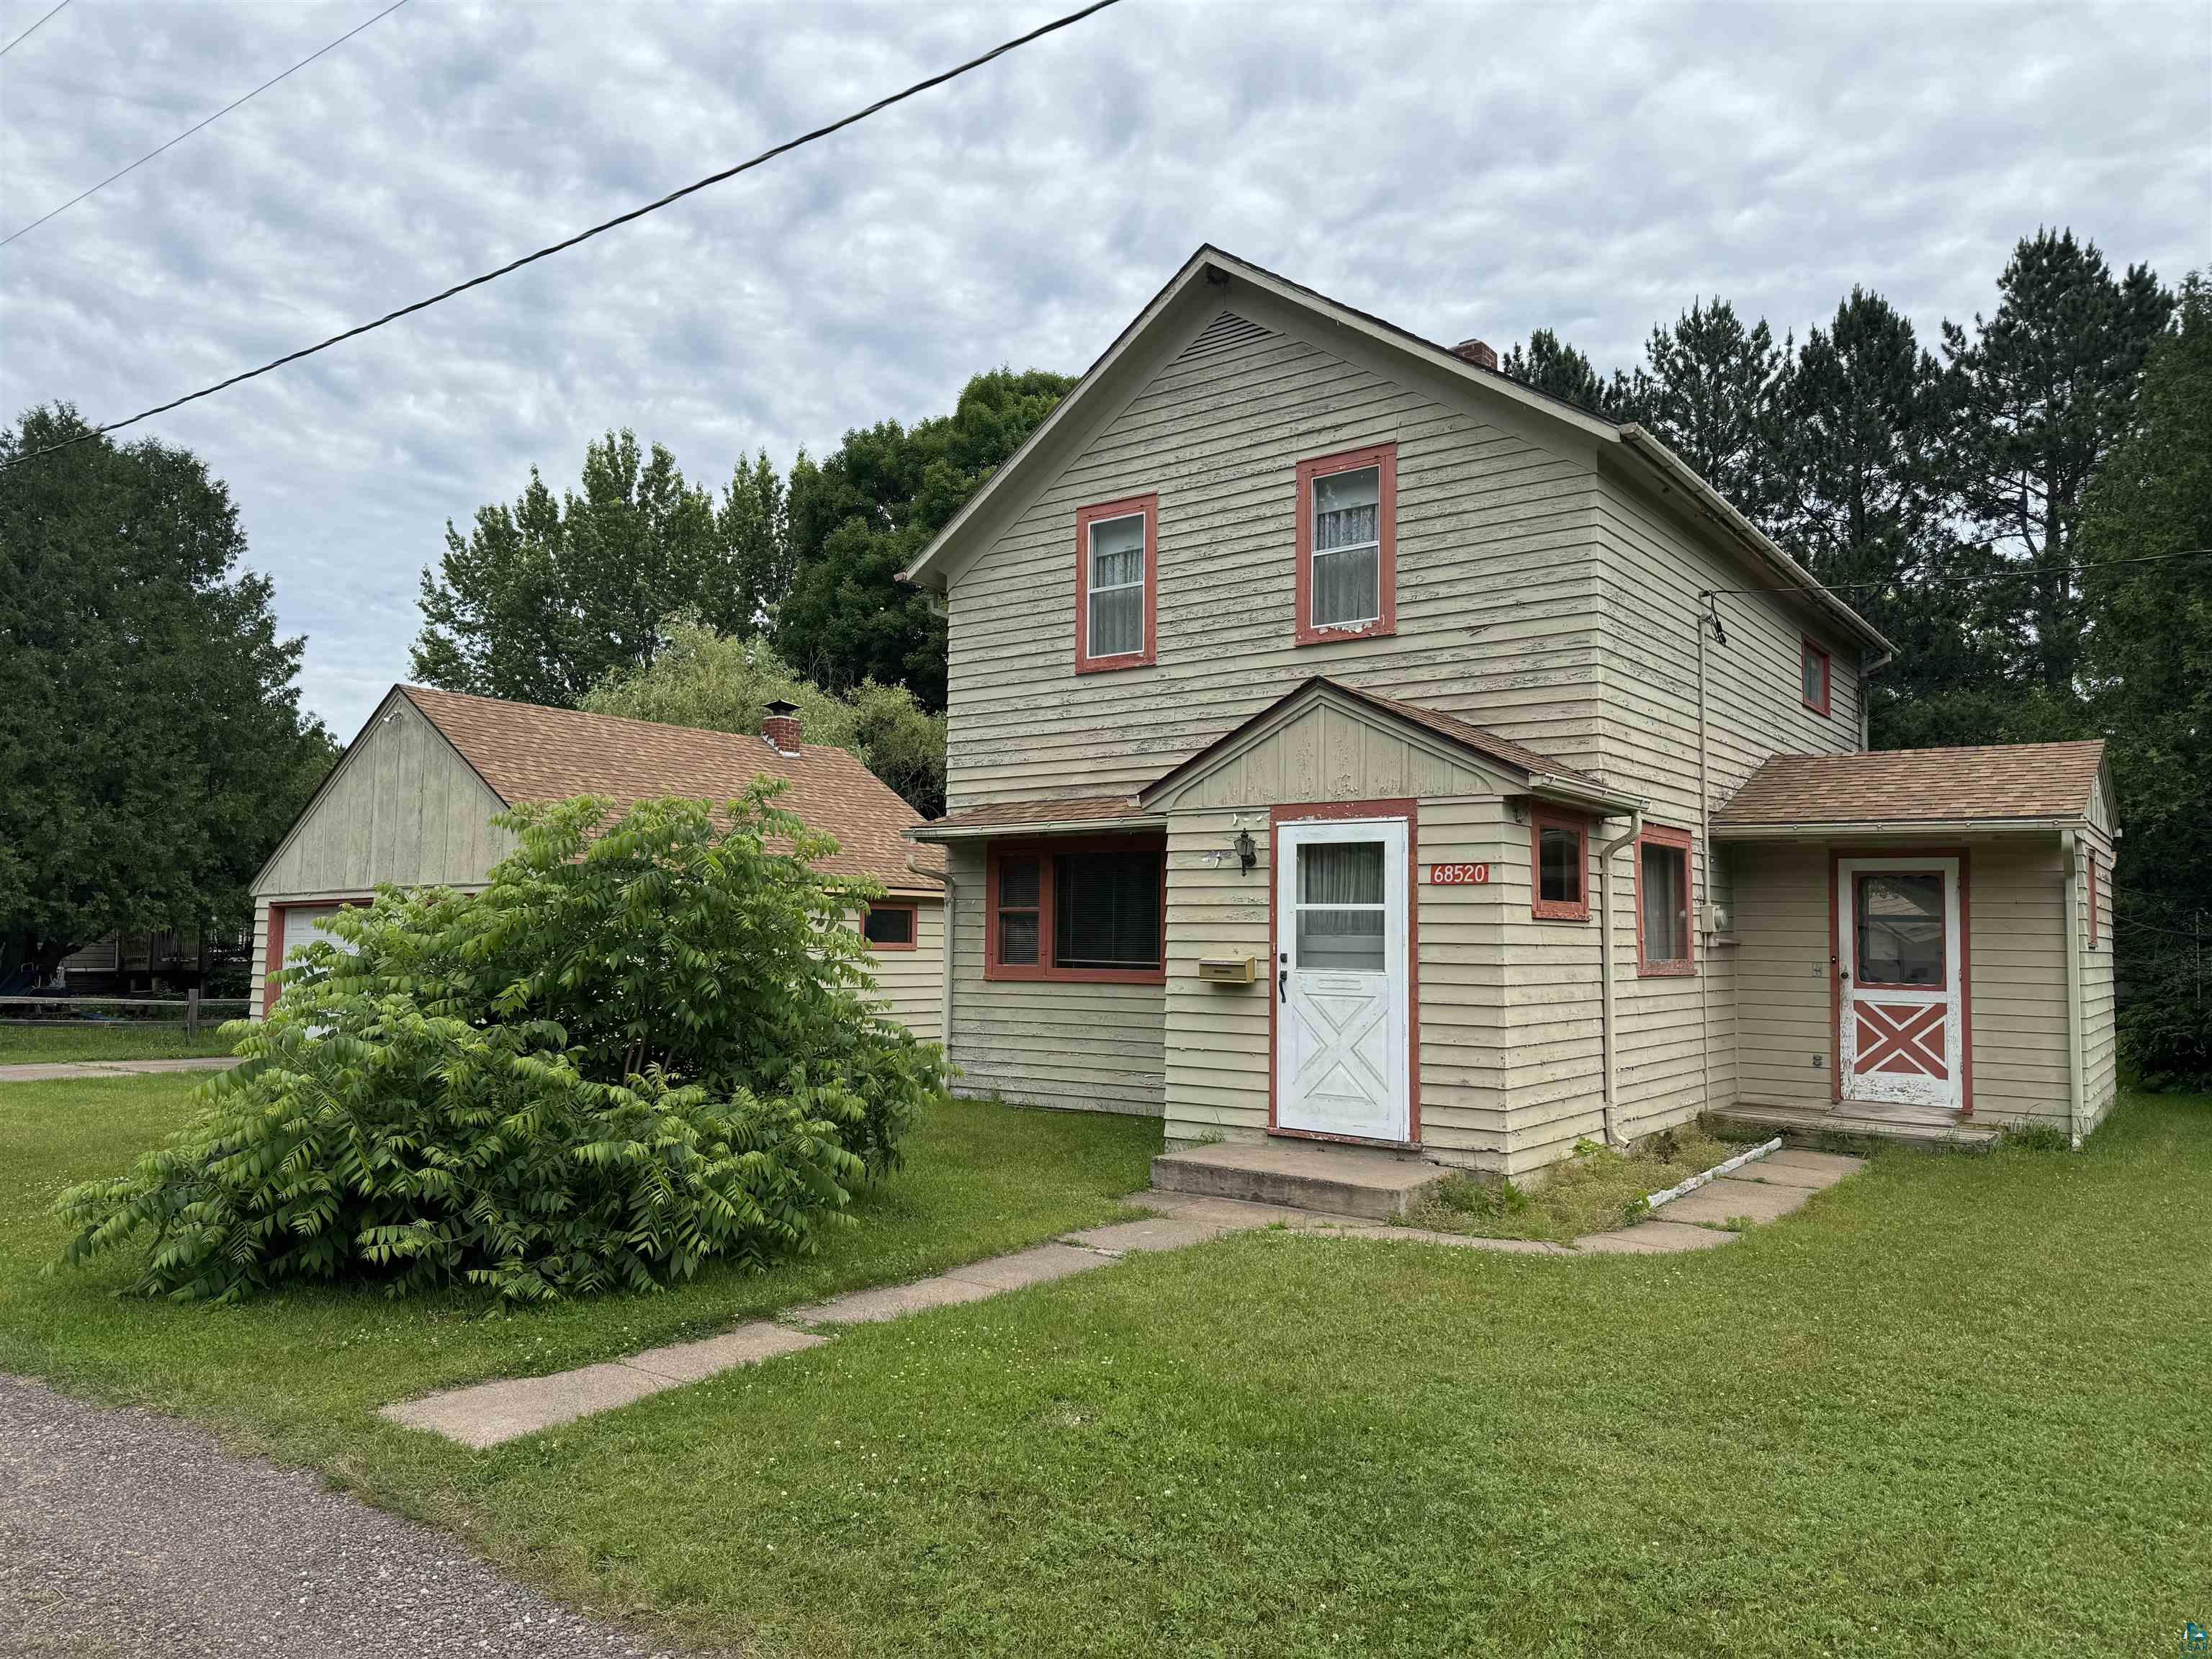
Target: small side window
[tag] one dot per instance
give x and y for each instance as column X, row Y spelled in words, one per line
column 889, row 926
column 1559, row 861
column 1813, row 675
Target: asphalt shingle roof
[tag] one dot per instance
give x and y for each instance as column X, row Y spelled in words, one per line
column 528, row 753
column 1902, row 785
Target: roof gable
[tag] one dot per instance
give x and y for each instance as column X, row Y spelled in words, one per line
column 1191, row 307
column 1307, row 746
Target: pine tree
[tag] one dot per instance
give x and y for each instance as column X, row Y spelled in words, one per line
column 2041, row 391
column 1707, row 390
column 1550, row 365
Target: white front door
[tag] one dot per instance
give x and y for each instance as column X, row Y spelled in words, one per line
column 1901, row 1026
column 1342, row 989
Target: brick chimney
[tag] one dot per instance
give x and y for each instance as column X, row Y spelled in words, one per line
column 780, row 727
column 1476, row 353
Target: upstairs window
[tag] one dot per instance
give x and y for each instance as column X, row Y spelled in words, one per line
column 1088, row 910
column 1560, row 849
column 889, row 926
column 1812, row 676
column 1347, row 551
column 1663, row 902
column 1116, row 571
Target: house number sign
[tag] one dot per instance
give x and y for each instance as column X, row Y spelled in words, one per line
column 1459, row 875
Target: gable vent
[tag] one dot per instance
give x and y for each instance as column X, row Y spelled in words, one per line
column 1225, row 333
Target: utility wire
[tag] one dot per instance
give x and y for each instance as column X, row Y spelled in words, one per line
column 2005, row 574
column 29, row 31
column 604, row 226
column 189, row 131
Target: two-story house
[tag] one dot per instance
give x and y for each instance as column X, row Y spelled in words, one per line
column 1349, row 742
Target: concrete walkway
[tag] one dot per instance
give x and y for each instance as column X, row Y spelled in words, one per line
column 56, row 1070
column 490, row 1413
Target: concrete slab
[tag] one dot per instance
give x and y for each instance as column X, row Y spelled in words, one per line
column 1160, row 1232
column 891, row 1302
column 491, row 1412
column 1036, row 1267
column 1454, row 1241
column 1354, row 1180
column 1802, row 1158
column 1789, row 1175
column 1653, row 1238
column 748, row 1345
column 1727, row 1198
column 57, row 1070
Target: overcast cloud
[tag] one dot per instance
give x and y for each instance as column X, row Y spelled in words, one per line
column 1469, row 169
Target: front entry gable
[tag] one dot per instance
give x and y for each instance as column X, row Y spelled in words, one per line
column 1327, row 743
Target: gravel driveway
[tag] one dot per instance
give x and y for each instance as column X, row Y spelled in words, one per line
column 125, row 1533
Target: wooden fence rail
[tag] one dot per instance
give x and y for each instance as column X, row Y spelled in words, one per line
column 191, row 1002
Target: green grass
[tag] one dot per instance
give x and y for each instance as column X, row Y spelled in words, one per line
column 1956, row 1406
column 21, row 1045
column 1590, row 1193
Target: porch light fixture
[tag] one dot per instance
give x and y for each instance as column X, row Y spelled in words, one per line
column 1247, row 851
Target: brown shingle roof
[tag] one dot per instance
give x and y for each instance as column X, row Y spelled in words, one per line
column 1086, row 808
column 1935, row 786
column 528, row 753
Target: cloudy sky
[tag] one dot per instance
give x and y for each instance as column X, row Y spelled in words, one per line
column 1461, row 169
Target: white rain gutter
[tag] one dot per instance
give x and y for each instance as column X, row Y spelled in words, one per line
column 1608, row 1034
column 2070, row 851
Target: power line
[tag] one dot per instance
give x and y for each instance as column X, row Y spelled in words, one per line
column 189, row 131
column 766, row 155
column 2005, row 574
column 29, row 31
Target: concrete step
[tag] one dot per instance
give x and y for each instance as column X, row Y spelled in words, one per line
column 1805, row 1125
column 1348, row 1181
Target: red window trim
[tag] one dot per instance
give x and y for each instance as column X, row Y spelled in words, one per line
column 1943, row 963
column 912, row 925
column 1544, row 909
column 1085, row 518
column 1043, row 967
column 1384, row 458
column 1806, row 648
column 1308, row 811
column 2092, row 898
column 1684, row 842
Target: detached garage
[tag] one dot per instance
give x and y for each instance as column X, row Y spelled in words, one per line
column 411, row 806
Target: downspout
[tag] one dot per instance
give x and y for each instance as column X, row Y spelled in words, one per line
column 945, row 991
column 1608, row 1038
column 2070, row 852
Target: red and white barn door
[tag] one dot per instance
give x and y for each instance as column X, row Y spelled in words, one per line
column 1900, row 1015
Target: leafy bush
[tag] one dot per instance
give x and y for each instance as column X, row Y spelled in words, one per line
column 634, row 1052
column 2166, row 1033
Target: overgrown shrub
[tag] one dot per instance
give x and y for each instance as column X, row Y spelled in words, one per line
column 634, row 1052
column 2166, row 1033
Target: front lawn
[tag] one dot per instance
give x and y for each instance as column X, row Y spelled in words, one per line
column 1958, row 1405
column 116, row 1039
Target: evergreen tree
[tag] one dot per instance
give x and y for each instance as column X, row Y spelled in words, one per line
column 1707, row 390
column 2041, row 392
column 1551, row 365
column 152, row 749
column 861, row 516
column 1859, row 428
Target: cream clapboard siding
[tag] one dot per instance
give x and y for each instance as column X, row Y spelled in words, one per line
column 1678, row 1052
column 1497, row 593
column 2101, row 1077
column 1554, row 1011
column 1048, row 1043
column 2021, row 1072
column 911, row 983
column 1217, row 1052
column 402, row 807
column 1785, row 1014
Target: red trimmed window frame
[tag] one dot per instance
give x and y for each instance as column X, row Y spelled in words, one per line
column 1544, row 909
column 1384, row 458
column 1682, row 841
column 2092, row 898
column 1043, row 850
column 912, row 925
column 1807, row 651
column 1127, row 506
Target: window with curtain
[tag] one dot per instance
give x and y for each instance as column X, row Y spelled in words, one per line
column 1662, row 898
column 1114, row 590
column 1346, row 565
column 1340, row 906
